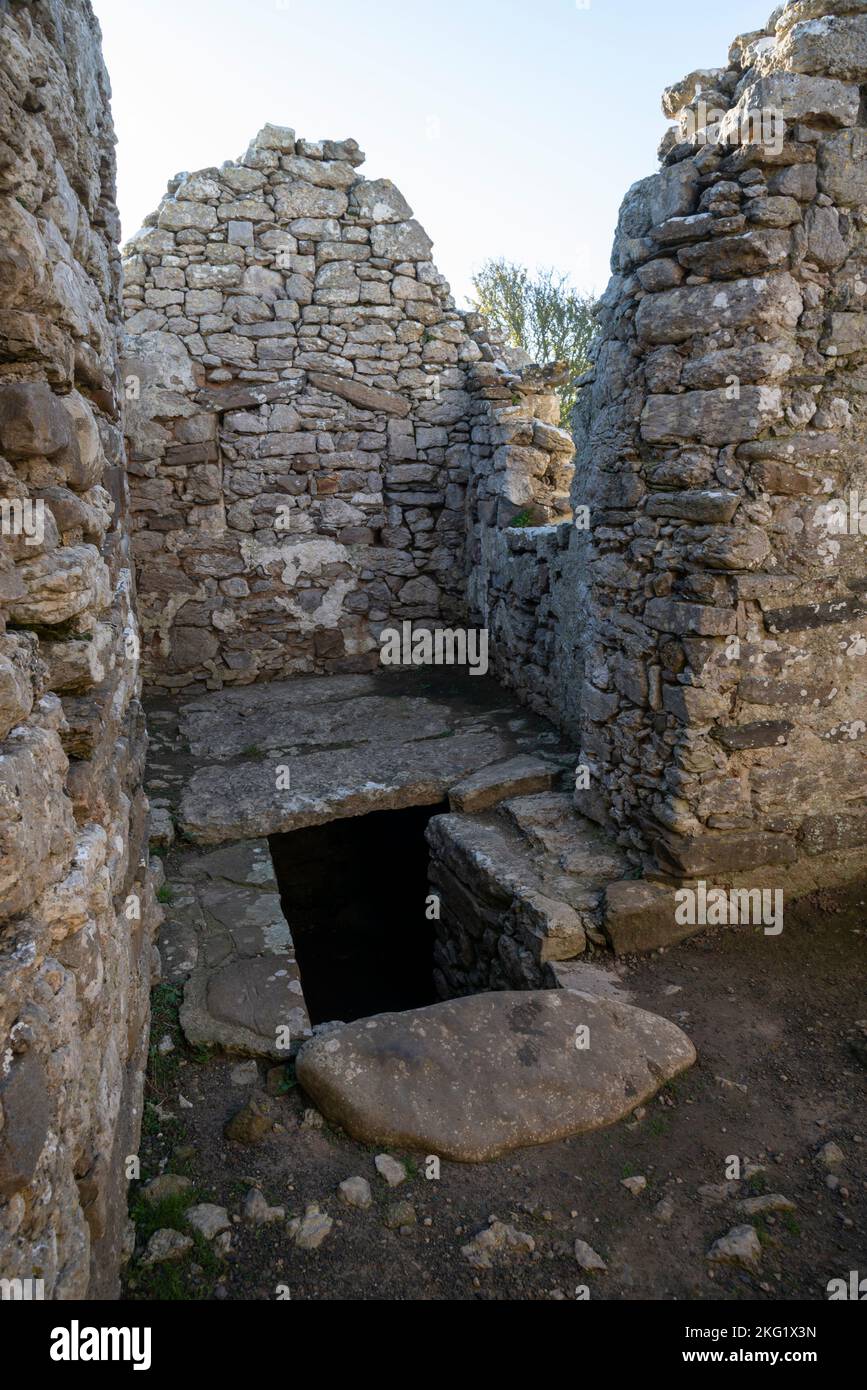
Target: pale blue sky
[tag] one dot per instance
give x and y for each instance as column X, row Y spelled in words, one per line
column 513, row 129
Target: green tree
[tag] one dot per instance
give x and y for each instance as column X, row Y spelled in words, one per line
column 540, row 313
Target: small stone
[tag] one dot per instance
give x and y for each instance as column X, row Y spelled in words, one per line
column 161, row 827
column 495, row 1238
column 166, row 1245
column 831, row 1155
column 256, row 1211
column 588, row 1259
column 165, row 1045
column 166, row 1185
column 771, row 1201
column 250, row 1124
column 634, row 1185
column 389, row 1168
column 740, row 1247
column 400, row 1215
column 716, row 1192
column 244, row 1074
column 208, row 1220
column 127, row 1248
column 355, row 1192
column 664, row 1211
column 312, row 1229
column 312, row 1119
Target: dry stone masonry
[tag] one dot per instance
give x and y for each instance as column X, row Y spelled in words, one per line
column 76, row 903
column 302, row 443
column 721, row 449
column 319, row 439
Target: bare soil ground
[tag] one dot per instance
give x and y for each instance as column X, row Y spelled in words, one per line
column 780, row 1024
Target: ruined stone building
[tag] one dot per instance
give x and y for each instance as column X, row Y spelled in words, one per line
column 288, row 439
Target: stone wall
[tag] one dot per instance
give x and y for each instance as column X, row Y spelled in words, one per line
column 76, row 906
column 721, row 431
column 317, row 435
column 518, row 573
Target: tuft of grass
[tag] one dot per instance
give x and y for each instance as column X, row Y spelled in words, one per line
column 764, row 1235
column 166, row 894
column 158, row 1216
column 289, row 1081
column 172, row 1281
column 153, row 1126
column 671, row 1090
column 163, row 1067
column 522, row 519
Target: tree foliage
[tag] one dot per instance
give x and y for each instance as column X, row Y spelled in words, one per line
column 540, row 313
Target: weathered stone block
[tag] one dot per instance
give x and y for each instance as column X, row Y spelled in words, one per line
column 639, row 916
column 711, row 506
column 60, row 586
column 401, row 241
column 670, row 615
column 36, row 823
column 33, row 422
column 772, row 305
column 27, row 1114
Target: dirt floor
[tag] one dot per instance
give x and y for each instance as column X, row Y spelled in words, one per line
column 780, row 1024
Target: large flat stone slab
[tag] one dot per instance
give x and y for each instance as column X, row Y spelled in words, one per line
column 359, row 716
column 477, row 1077
column 265, row 759
column 243, row 991
column 254, row 1006
column 240, row 800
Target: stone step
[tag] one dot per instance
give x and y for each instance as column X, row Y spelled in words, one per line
column 520, row 887
column 639, row 916
column 515, row 777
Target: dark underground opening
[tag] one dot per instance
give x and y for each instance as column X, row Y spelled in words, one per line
column 353, row 892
